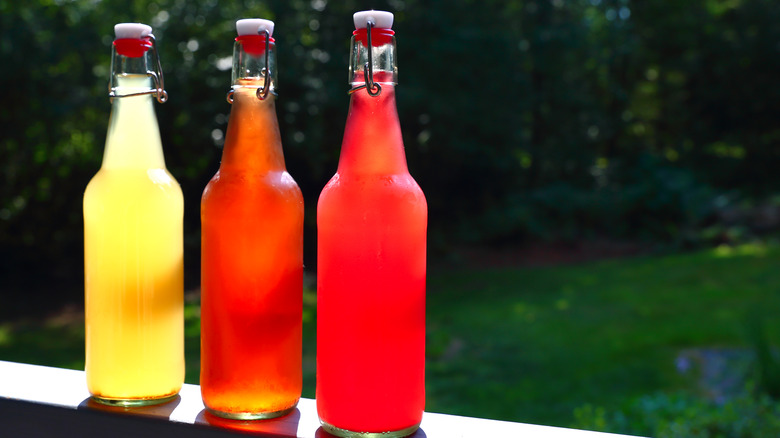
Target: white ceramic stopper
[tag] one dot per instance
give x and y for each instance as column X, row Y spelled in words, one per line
column 381, row 19
column 132, row 30
column 253, row 26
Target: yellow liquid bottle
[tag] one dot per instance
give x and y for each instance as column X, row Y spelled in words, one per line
column 133, row 255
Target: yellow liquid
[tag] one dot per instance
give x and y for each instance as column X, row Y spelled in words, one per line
column 133, row 254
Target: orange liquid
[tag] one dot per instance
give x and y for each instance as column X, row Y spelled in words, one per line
column 252, row 271
column 372, row 223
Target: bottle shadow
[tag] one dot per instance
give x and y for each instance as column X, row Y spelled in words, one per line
column 284, row 426
column 162, row 410
column 322, row 433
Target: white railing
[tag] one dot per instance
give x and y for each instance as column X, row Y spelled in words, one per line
column 44, row 401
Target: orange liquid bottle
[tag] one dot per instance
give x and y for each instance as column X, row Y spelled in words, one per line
column 371, row 225
column 252, row 251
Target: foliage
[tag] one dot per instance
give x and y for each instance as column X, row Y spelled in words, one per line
column 654, row 201
column 523, row 119
column 681, row 415
column 767, row 363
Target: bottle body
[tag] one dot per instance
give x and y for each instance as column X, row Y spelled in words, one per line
column 371, row 230
column 252, row 271
column 133, row 253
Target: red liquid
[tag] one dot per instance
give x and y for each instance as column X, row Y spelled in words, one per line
column 252, row 271
column 372, row 222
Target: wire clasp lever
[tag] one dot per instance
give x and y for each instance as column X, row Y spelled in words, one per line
column 157, row 78
column 373, row 88
column 262, row 92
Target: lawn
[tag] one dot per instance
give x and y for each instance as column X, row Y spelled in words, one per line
column 535, row 344
column 532, row 345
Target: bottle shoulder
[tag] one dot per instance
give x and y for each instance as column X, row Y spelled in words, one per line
column 373, row 188
column 132, row 194
column 399, row 181
column 157, row 180
column 154, row 175
column 251, row 185
column 368, row 204
column 247, row 177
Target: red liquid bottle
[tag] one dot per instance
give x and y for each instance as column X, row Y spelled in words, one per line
column 372, row 225
column 252, row 251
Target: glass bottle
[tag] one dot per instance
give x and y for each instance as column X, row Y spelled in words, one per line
column 133, row 244
column 252, row 250
column 372, row 225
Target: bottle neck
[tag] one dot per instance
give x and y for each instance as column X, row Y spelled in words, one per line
column 133, row 139
column 254, row 60
column 132, row 58
column 382, row 54
column 372, row 136
column 252, row 141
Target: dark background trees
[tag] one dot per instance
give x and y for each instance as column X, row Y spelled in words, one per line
column 523, row 120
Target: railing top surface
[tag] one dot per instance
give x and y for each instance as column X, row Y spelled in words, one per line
column 67, row 389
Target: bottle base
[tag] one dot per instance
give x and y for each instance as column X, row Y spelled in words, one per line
column 133, row 402
column 344, row 433
column 251, row 415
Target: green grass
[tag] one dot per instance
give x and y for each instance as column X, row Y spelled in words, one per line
column 534, row 344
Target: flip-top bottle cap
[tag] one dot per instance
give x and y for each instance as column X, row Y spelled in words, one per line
column 132, row 39
column 251, row 36
column 254, row 26
column 132, row 30
column 381, row 19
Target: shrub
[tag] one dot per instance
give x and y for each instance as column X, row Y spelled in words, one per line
column 683, row 415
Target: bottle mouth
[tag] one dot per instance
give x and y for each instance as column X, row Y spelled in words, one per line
column 133, row 47
column 255, row 44
column 379, row 36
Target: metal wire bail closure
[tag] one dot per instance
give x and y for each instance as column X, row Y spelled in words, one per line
column 373, row 88
column 157, row 77
column 262, row 92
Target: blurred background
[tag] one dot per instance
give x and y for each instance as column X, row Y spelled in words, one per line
column 546, row 134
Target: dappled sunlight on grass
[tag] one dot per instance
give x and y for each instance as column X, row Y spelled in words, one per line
column 539, row 342
column 749, row 249
column 5, row 335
